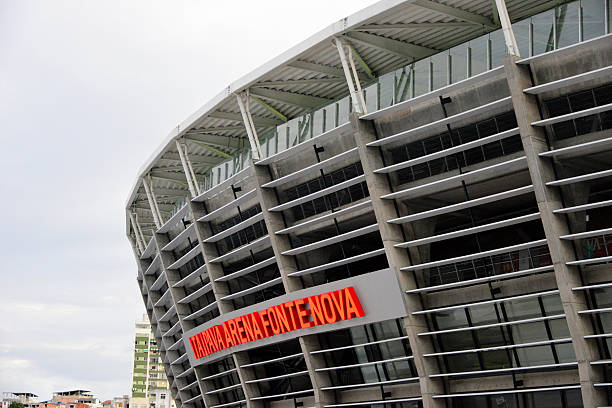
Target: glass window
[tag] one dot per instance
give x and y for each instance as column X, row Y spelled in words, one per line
column 484, row 314
column 593, row 19
column 421, row 77
column 459, row 63
column 609, row 16
column 498, row 48
column 294, row 136
column 318, row 126
column 451, row 319
column 546, row 399
column 478, row 55
column 552, row 304
column 523, row 309
column 439, row 70
column 371, row 97
column 567, row 23
column 603, row 297
column 386, row 89
column 565, row 352
column 530, row 356
column 331, row 120
column 271, row 145
column 344, row 108
column 558, row 328
column 305, row 127
column 521, row 33
column 457, row 341
column 543, row 32
column 402, row 84
column 283, row 137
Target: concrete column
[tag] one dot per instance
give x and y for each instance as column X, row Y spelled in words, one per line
column 274, row 222
column 176, row 294
column 318, row 379
column 162, row 347
column 392, row 234
column 220, row 289
column 154, row 319
column 246, row 374
column 549, row 199
column 209, row 400
column 286, row 264
column 214, row 270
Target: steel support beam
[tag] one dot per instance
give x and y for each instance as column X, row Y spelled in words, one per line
column 179, row 167
column 197, row 160
column 186, row 169
column 298, row 82
column 165, row 175
column 152, row 203
column 250, row 127
column 228, row 142
column 411, row 26
column 163, row 208
column 321, row 69
column 270, row 108
column 302, row 100
column 210, row 149
column 137, row 232
column 193, row 175
column 348, row 76
column 364, row 109
column 396, row 47
column 216, row 129
column 506, row 24
column 139, row 227
column 171, row 192
column 237, row 117
column 362, row 62
column 455, row 12
column 495, row 12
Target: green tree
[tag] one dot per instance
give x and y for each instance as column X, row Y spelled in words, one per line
column 16, row 404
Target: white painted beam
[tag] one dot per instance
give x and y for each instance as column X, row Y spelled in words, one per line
column 396, row 47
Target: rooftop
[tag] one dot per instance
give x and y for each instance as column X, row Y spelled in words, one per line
column 383, row 37
column 73, row 392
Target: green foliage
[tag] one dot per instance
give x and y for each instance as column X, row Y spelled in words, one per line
column 16, row 404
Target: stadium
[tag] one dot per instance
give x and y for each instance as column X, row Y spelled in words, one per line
column 410, row 208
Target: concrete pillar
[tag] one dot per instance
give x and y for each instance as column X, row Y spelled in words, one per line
column 153, row 319
column 214, row 270
column 549, row 198
column 286, row 264
column 392, row 234
column 220, row 289
column 318, row 379
column 176, row 294
column 274, row 222
column 246, row 374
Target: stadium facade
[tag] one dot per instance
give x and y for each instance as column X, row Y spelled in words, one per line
column 409, row 208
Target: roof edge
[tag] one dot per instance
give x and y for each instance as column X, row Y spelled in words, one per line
column 326, row 34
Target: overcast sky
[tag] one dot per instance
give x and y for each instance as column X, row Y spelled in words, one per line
column 88, row 89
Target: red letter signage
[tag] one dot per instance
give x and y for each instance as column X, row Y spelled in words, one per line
column 317, row 310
